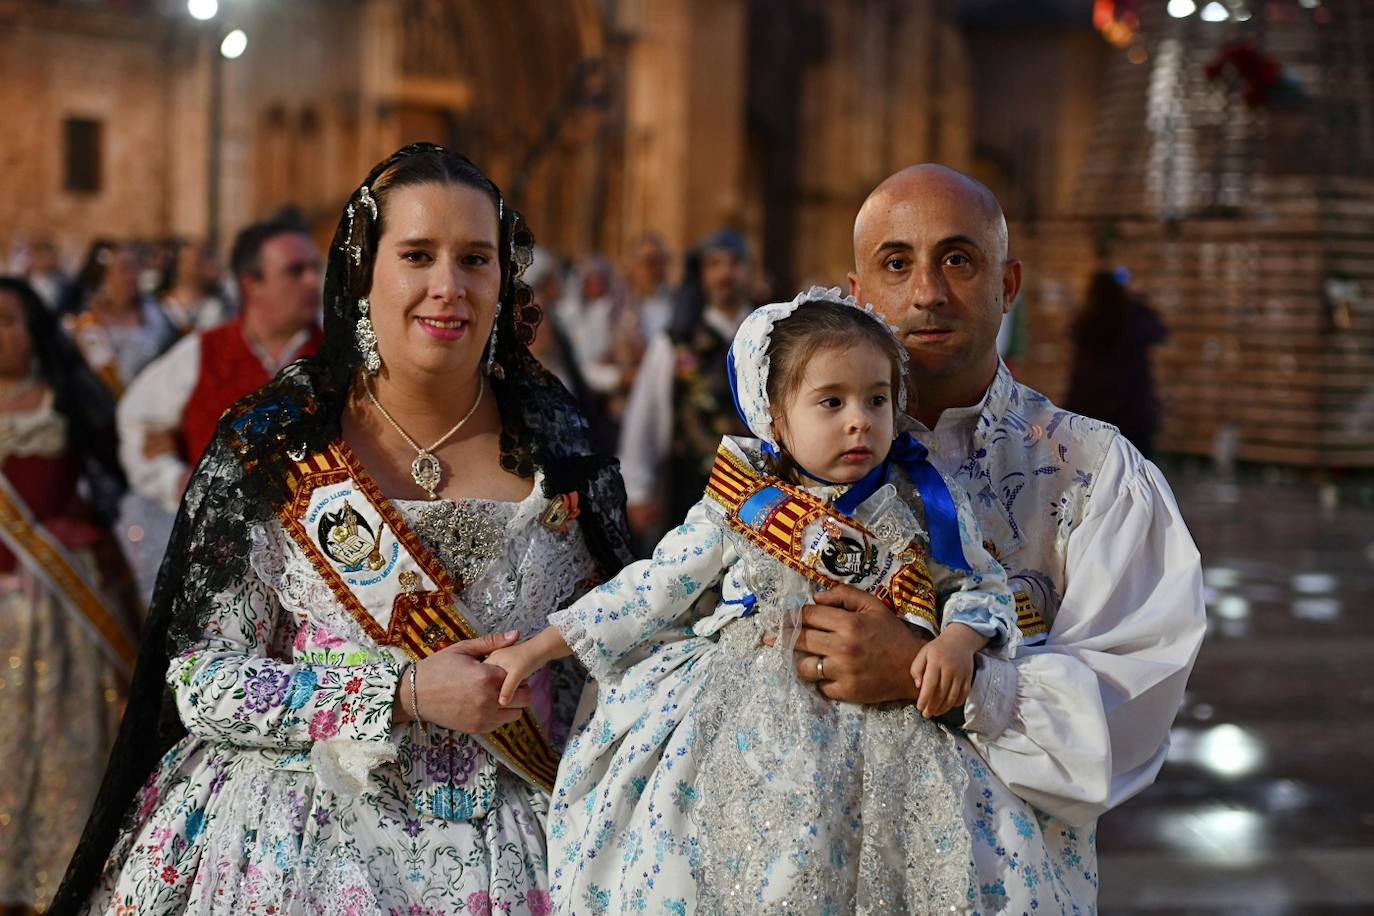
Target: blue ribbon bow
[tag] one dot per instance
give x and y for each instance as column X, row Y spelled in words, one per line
column 942, row 517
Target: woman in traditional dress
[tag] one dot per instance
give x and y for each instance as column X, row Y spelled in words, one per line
column 118, row 330
column 192, row 293
column 356, row 526
column 66, row 640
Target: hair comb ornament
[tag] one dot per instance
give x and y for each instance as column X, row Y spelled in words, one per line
column 352, row 249
column 365, row 198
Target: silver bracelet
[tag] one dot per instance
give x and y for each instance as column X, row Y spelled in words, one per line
column 414, row 696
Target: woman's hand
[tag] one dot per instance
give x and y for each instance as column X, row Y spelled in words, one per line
column 459, row 691
column 867, row 649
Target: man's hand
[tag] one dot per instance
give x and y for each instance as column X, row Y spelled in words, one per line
column 159, row 442
column 864, row 650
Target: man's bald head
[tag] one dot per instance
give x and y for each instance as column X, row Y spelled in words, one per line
column 930, row 254
column 930, row 179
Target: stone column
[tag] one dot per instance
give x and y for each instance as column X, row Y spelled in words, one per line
column 685, row 79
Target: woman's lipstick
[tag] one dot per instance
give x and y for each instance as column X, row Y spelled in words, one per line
column 444, row 328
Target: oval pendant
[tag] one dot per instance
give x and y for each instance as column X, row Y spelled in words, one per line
column 425, row 471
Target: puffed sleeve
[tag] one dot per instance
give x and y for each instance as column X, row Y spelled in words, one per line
column 1080, row 724
column 979, row 596
column 229, row 689
column 651, row 601
column 155, row 400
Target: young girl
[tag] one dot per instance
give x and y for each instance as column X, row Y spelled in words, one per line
column 710, row 777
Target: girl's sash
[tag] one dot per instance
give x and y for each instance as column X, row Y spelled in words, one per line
column 809, row 536
column 390, row 583
column 45, row 556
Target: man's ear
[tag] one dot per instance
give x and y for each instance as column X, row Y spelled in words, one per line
column 1011, row 283
column 854, row 286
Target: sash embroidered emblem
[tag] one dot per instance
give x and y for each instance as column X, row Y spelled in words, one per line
column 810, row 537
column 395, row 589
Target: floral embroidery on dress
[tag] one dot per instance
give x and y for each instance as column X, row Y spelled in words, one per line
column 293, row 793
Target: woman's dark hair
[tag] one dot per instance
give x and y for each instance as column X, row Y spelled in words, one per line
column 354, row 250
column 1103, row 317
column 89, row 278
column 816, row 325
column 78, row 396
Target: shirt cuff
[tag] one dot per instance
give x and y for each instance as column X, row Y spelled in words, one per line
column 992, row 701
column 343, row 761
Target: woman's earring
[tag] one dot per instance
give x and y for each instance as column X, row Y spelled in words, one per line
column 494, row 369
column 366, row 339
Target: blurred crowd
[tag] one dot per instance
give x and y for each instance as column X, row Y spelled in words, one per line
column 640, row 343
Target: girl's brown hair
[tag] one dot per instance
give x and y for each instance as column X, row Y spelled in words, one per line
column 816, row 325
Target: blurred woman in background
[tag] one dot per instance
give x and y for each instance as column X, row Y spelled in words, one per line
column 117, row 330
column 1112, row 379
column 67, row 622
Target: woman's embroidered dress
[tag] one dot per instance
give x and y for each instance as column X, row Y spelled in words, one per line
column 294, row 794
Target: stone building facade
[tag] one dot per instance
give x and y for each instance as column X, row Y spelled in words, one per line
column 601, row 118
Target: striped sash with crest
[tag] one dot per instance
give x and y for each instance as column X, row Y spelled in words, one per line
column 810, row 537
column 390, row 583
column 47, row 558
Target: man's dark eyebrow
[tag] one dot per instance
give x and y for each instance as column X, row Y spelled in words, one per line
column 959, row 240
column 896, row 245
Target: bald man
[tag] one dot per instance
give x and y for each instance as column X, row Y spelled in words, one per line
column 1108, row 581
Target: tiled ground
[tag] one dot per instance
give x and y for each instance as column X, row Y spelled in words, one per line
column 1267, row 803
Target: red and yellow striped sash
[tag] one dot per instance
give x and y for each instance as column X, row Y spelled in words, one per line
column 422, row 621
column 780, row 531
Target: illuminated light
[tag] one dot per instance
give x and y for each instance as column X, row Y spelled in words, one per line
column 1221, row 577
column 1215, row 12
column 1316, row 609
column 1309, row 4
column 202, row 9
column 234, row 44
column 1233, row 607
column 1137, row 55
column 1314, row 583
column 135, row 534
column 1242, row 15
column 1229, row 751
column 1181, row 8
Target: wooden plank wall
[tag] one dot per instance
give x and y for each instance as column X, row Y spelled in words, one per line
column 1251, row 230
column 1271, row 319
